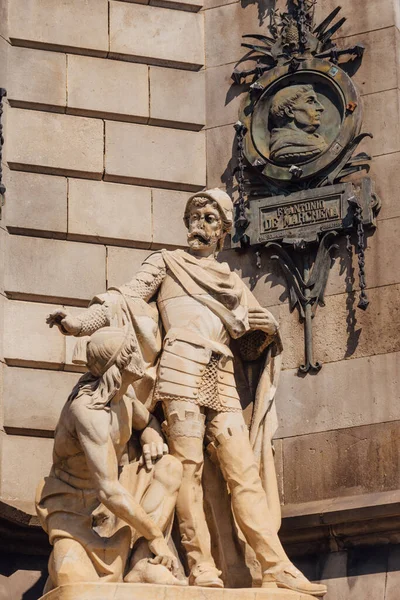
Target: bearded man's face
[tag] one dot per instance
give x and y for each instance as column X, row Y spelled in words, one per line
column 205, row 227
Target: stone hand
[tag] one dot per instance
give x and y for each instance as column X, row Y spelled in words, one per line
column 66, row 323
column 153, row 445
column 263, row 320
column 163, row 555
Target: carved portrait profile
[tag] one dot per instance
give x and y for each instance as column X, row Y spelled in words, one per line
column 294, row 117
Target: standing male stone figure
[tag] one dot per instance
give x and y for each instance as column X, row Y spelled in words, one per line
column 203, row 306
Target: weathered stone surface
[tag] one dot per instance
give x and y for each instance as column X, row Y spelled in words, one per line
column 342, row 331
column 168, row 226
column 361, row 16
column 122, row 264
column 27, row 338
column 380, row 268
column 224, row 28
column 33, row 398
column 378, row 69
column 267, row 284
column 37, row 78
column 36, row 202
column 51, row 143
column 220, row 149
column 108, row 87
column 313, row 404
column 334, row 575
column 223, row 96
column 383, row 124
column 386, row 174
column 54, row 268
column 140, row 591
column 177, row 156
column 24, row 461
column 140, row 32
column 346, row 462
column 177, row 96
column 68, row 24
column 109, row 211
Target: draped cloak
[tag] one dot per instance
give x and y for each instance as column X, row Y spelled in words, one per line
column 214, row 285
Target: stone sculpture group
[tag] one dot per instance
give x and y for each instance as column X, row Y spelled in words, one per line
column 187, row 342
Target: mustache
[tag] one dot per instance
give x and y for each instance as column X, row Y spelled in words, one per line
column 199, row 234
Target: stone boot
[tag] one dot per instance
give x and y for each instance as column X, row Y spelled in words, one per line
column 292, row 579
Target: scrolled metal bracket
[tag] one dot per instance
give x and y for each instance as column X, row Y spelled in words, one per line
column 307, row 288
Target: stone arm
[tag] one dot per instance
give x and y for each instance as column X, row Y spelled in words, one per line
column 151, row 438
column 144, row 285
column 92, row 431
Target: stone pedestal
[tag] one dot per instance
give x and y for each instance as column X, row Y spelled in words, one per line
column 138, row 591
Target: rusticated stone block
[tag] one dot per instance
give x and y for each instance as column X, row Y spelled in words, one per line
column 342, row 331
column 33, row 398
column 386, row 174
column 53, row 269
column 122, row 264
column 378, row 69
column 37, row 78
column 108, row 87
column 221, row 48
column 307, row 405
column 380, row 268
column 109, row 211
column 360, row 16
column 141, row 32
column 57, row 144
column 35, row 202
column 383, row 124
column 220, row 164
column 70, row 24
column 346, row 462
column 223, row 97
column 168, row 226
column 27, row 338
column 24, row 461
column 155, row 155
column 177, row 96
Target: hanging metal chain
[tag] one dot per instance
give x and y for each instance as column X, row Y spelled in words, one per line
column 3, row 94
column 241, row 220
column 358, row 220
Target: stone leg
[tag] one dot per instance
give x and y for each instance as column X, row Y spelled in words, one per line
column 70, row 563
column 229, row 436
column 185, row 432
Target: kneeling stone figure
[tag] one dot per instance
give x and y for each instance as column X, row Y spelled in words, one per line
column 96, row 505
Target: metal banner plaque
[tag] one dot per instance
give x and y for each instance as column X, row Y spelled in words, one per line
column 302, row 215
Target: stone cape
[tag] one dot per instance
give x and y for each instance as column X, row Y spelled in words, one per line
column 140, row 591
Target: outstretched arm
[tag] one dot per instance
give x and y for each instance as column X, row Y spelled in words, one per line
column 144, row 285
column 92, row 428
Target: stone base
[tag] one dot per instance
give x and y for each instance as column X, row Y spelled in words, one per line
column 139, row 591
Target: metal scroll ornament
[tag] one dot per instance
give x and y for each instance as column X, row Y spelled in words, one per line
column 298, row 130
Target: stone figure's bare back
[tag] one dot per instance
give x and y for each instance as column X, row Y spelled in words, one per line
column 68, row 454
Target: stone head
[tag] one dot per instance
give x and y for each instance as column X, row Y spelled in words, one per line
column 208, row 218
column 297, row 104
column 116, row 348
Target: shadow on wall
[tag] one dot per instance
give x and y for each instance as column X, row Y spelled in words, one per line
column 356, row 573
column 265, row 9
column 22, row 577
